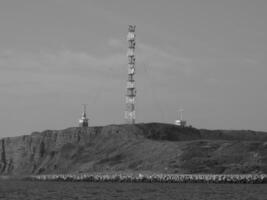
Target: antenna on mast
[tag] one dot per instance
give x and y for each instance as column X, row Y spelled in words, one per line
column 180, row 121
column 181, row 114
column 84, row 109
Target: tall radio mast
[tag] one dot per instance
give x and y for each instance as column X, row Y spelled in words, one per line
column 131, row 90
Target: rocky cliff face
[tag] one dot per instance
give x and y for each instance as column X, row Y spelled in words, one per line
column 142, row 147
column 40, row 152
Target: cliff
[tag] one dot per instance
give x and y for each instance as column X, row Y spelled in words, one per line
column 141, row 147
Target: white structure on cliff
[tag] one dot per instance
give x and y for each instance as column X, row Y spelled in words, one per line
column 180, row 122
column 83, row 121
column 131, row 90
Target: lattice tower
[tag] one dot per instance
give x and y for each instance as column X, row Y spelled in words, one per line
column 131, row 90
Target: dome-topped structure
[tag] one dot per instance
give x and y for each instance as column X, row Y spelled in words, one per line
column 83, row 122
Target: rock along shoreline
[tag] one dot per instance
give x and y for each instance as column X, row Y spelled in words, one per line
column 155, row 178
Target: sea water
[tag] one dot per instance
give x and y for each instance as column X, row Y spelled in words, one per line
column 34, row 190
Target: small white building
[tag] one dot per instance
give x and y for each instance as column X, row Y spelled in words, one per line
column 181, row 123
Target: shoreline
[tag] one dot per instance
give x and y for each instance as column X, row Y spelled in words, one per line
column 154, row 178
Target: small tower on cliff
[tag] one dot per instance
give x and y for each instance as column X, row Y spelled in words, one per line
column 131, row 90
column 83, row 121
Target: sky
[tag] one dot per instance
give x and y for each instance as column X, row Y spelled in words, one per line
column 205, row 56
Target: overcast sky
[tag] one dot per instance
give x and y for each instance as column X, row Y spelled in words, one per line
column 207, row 56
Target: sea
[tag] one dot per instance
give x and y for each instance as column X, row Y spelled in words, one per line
column 34, row 190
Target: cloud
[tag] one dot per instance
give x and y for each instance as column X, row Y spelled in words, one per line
column 28, row 73
column 115, row 43
column 65, row 61
column 54, row 71
column 160, row 57
column 77, row 62
column 155, row 55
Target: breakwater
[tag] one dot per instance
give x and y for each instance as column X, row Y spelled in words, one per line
column 153, row 178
